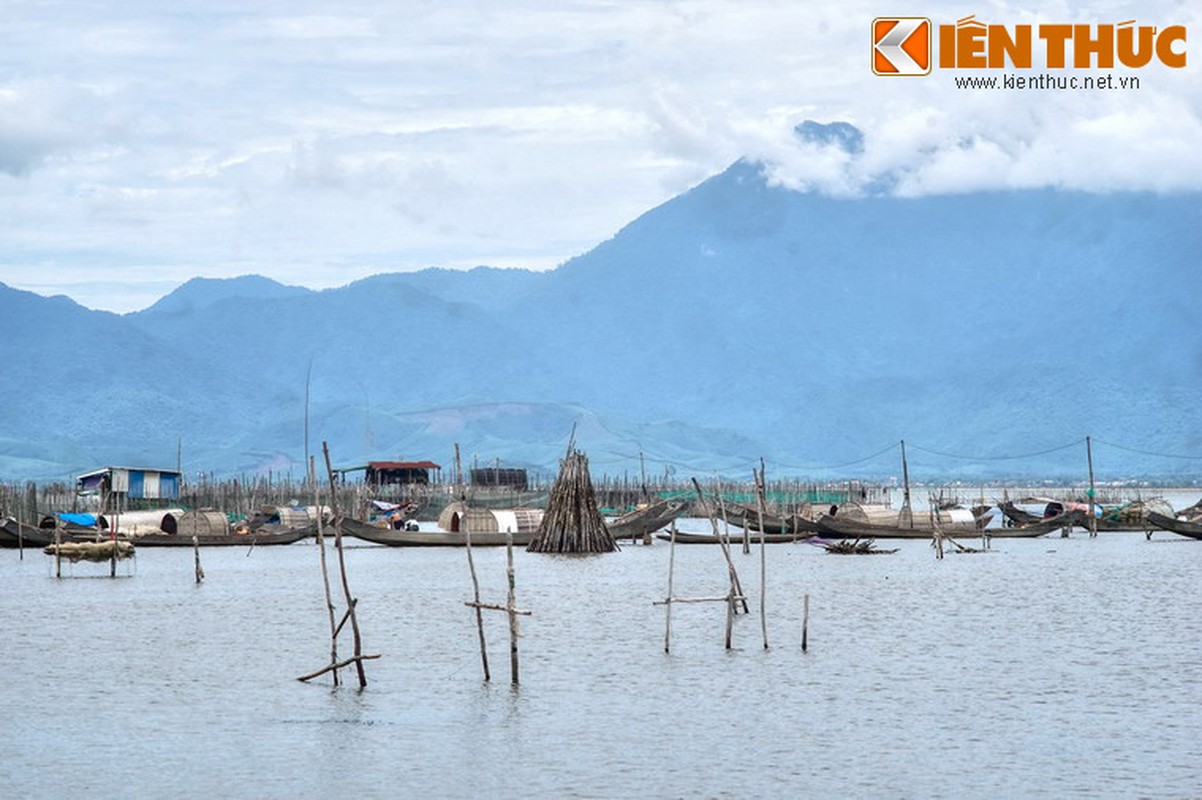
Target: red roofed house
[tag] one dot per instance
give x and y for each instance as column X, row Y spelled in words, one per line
column 399, row 472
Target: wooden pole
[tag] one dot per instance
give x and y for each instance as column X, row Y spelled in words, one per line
column 1093, row 520
column 325, row 572
column 805, row 623
column 730, row 615
column 113, row 539
column 346, row 588
column 668, row 602
column 459, row 475
column 726, row 521
column 471, row 565
column 200, row 573
column 937, row 535
column 512, row 609
column 760, row 490
column 724, row 544
column 643, row 473
column 907, row 511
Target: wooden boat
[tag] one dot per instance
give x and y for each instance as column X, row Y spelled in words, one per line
column 1185, row 527
column 1190, row 512
column 255, row 537
column 1128, row 517
column 644, row 521
column 1066, row 521
column 749, row 518
column 14, row 533
column 409, row 538
column 841, row 528
column 1016, row 516
column 683, row 537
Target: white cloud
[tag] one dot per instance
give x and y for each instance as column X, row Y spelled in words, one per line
column 317, row 146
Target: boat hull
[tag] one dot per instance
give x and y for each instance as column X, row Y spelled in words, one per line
column 735, row 538
column 402, row 538
column 835, row 528
column 1181, row 527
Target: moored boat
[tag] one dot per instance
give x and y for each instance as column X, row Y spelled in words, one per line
column 419, row 538
column 684, row 537
column 646, row 520
column 749, row 518
column 843, row 528
column 258, row 537
column 1176, row 524
column 1030, row 530
column 14, row 533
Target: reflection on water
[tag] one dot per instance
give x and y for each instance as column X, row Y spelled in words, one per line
column 1048, row 667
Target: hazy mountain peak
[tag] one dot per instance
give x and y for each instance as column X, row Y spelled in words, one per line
column 842, row 135
column 200, row 293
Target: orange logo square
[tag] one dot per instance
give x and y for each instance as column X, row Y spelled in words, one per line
column 901, row 45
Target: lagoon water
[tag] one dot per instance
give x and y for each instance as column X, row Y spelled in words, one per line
column 1046, row 668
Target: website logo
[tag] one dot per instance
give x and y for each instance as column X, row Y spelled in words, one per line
column 901, row 46
column 906, row 46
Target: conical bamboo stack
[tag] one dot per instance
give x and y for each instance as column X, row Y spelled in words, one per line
column 573, row 522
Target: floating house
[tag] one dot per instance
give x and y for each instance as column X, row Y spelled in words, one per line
column 127, row 487
column 399, row 473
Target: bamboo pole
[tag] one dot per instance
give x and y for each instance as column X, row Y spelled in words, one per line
column 668, row 601
column 113, row 538
column 730, row 616
column 351, row 602
column 937, row 535
column 724, row 543
column 336, row 666
column 346, row 589
column 1093, row 520
column 759, row 487
column 731, row 598
column 325, row 572
column 513, row 617
column 471, row 565
column 726, row 522
column 805, row 623
column 200, row 573
column 736, row 591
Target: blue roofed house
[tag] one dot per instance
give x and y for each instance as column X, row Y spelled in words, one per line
column 129, row 487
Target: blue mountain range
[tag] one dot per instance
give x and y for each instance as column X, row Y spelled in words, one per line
column 993, row 331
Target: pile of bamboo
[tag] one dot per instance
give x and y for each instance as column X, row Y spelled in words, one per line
column 572, row 522
column 856, row 547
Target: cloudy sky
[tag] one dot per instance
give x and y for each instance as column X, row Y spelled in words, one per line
column 143, row 143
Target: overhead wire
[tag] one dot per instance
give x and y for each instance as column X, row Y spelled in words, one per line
column 1075, row 443
column 1147, row 452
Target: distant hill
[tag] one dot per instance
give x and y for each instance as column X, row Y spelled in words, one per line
column 198, row 294
column 738, row 320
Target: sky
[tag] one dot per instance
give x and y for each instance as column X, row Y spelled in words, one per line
column 317, row 142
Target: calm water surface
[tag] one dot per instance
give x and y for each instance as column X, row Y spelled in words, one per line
column 1046, row 668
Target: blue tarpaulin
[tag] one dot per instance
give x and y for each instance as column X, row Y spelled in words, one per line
column 82, row 520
